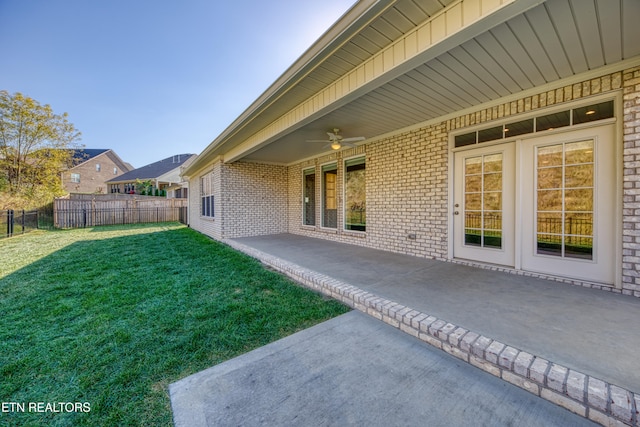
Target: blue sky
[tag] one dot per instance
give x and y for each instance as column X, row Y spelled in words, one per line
column 150, row 79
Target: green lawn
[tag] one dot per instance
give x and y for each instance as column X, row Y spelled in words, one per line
column 111, row 315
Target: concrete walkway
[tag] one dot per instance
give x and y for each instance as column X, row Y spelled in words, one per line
column 355, row 370
column 575, row 346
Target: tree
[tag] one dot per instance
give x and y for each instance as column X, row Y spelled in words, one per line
column 35, row 146
column 144, row 187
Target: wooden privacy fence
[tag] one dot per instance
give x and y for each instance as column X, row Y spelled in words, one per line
column 74, row 213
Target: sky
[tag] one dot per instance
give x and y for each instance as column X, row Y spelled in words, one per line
column 154, row 78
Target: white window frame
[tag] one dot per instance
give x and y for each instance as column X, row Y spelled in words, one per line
column 616, row 96
column 305, row 172
column 207, row 198
column 322, row 195
column 362, row 157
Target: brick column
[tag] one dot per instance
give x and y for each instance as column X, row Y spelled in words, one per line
column 631, row 185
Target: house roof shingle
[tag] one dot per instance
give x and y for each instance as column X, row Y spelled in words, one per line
column 83, row 154
column 153, row 170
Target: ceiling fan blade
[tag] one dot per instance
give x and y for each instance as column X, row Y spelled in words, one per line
column 354, row 139
column 332, row 136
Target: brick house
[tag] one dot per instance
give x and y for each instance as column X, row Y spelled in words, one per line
column 93, row 168
column 502, row 133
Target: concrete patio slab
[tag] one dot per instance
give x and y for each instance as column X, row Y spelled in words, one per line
column 355, row 370
column 586, row 329
column 570, row 345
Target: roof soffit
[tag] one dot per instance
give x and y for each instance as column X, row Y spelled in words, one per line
column 536, row 50
column 445, row 30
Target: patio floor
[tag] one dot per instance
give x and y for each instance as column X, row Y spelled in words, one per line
column 591, row 333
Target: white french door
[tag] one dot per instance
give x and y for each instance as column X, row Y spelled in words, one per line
column 484, row 204
column 569, row 204
column 555, row 201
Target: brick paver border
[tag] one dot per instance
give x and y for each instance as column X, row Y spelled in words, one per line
column 589, row 397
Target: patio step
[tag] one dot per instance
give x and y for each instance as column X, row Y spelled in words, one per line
column 589, row 397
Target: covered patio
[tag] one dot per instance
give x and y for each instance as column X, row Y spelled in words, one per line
column 571, row 345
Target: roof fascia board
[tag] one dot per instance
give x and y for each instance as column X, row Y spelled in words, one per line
column 121, row 163
column 199, row 169
column 356, row 18
column 413, row 49
column 587, row 75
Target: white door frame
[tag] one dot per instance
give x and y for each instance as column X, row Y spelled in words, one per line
column 601, row 267
column 618, row 174
column 505, row 254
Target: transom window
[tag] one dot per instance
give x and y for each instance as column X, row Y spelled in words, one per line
column 576, row 116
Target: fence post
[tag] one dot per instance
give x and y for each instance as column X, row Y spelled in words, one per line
column 22, row 221
column 84, row 218
column 9, row 223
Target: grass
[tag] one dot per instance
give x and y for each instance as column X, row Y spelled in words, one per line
column 112, row 315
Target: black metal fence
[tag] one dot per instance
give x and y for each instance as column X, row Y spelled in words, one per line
column 13, row 222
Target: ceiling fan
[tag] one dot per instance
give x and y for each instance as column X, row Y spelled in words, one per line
column 336, row 141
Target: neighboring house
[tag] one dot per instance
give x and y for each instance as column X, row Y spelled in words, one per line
column 92, row 169
column 180, row 190
column 498, row 132
column 161, row 174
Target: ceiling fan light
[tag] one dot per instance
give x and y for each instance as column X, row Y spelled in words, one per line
column 335, row 146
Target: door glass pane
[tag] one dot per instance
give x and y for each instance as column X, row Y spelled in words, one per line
column 483, row 201
column 553, row 121
column 329, row 196
column 550, row 156
column 565, row 201
column 549, row 178
column 309, row 197
column 579, row 176
column 355, row 213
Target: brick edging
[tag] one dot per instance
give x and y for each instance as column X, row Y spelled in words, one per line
column 589, row 397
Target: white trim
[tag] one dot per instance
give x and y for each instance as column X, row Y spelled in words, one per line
column 321, row 226
column 578, row 78
column 362, row 156
column 539, row 112
column 315, row 173
column 617, row 121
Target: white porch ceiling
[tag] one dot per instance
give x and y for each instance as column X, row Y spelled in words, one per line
column 555, row 40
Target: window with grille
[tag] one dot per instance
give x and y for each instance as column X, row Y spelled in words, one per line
column 206, row 196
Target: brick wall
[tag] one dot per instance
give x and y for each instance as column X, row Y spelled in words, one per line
column 92, row 181
column 209, row 226
column 253, row 199
column 407, row 178
column 407, row 184
column 406, row 189
column 631, row 182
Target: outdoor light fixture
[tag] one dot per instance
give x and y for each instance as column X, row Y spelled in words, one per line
column 336, row 141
